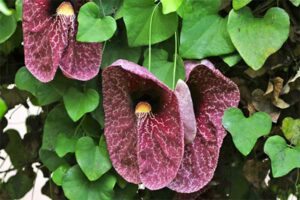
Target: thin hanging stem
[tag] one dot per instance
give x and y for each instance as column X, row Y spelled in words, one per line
column 175, row 61
column 150, row 36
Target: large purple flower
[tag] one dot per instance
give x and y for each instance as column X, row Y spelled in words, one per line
column 211, row 93
column 143, row 126
column 50, row 29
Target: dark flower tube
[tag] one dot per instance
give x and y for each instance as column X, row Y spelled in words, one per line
column 211, row 93
column 50, row 29
column 143, row 127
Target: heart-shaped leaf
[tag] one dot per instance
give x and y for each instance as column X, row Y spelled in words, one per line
column 58, row 175
column 170, row 5
column 77, row 187
column 93, row 161
column 238, row 4
column 78, row 103
column 44, row 92
column 283, row 158
column 65, row 144
column 257, row 38
column 3, row 108
column 91, row 27
column 246, row 131
column 291, row 130
column 204, row 31
column 144, row 16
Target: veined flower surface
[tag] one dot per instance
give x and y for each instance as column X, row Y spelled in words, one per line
column 50, row 29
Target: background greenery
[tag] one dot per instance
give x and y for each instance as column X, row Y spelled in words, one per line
column 256, row 43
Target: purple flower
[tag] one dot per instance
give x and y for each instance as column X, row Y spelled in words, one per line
column 211, row 93
column 143, row 126
column 50, row 29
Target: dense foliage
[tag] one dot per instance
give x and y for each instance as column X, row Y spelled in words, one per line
column 254, row 43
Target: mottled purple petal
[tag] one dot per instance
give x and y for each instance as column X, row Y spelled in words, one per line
column 81, row 60
column 145, row 151
column 36, row 15
column 38, row 57
column 183, row 94
column 212, row 93
column 58, row 37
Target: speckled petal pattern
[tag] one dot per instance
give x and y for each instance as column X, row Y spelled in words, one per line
column 81, row 60
column 212, row 93
column 147, row 150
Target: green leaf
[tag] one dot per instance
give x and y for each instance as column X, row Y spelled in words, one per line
column 246, row 131
column 108, row 7
column 91, row 127
column 283, row 158
column 44, row 92
column 65, row 144
column 19, row 9
column 138, row 16
column 16, row 150
column 192, row 9
column 56, row 122
column 291, row 130
column 3, row 108
column 77, row 187
column 4, row 9
column 51, row 160
column 171, row 5
column 238, row 4
column 93, row 161
column 93, row 28
column 58, row 175
column 295, row 2
column 257, row 38
column 232, row 59
column 119, row 49
column 163, row 69
column 18, row 185
column 79, row 103
column 204, row 32
column 8, row 26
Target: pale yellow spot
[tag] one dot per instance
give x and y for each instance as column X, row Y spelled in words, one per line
column 65, row 9
column 143, row 108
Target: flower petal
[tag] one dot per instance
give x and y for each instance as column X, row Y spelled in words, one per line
column 147, row 151
column 212, row 93
column 36, row 15
column 81, row 60
column 161, row 143
column 183, row 94
column 58, row 37
column 38, row 55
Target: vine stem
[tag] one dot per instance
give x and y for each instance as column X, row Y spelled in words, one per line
column 150, row 36
column 175, row 61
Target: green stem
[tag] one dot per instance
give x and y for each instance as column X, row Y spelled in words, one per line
column 175, row 61
column 150, row 35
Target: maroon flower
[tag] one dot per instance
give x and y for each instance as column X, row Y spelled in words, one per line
column 212, row 93
column 143, row 127
column 50, row 29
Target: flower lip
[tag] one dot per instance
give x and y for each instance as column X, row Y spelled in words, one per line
column 65, row 9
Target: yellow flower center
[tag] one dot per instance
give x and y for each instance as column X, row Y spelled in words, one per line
column 65, row 9
column 143, row 108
